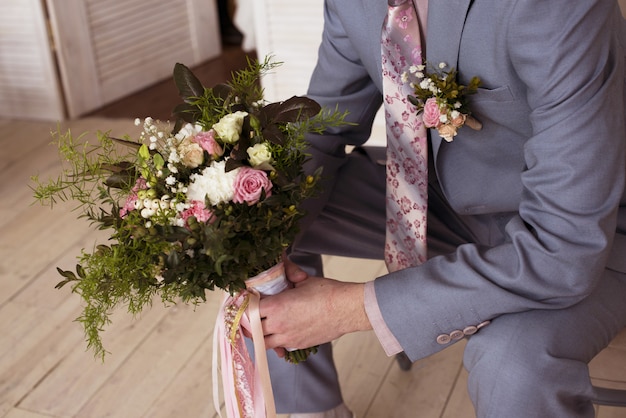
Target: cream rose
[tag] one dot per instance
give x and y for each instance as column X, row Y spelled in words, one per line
column 191, row 153
column 229, row 127
column 447, row 132
column 260, row 156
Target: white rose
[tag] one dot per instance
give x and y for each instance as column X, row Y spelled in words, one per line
column 213, row 183
column 229, row 127
column 260, row 156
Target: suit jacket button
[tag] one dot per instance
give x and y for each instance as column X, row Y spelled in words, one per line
column 483, row 324
column 443, row 339
column 456, row 335
column 471, row 330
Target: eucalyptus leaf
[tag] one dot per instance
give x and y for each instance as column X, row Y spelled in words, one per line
column 291, row 110
column 126, row 142
column 69, row 275
column 118, row 167
column 274, row 134
column 62, row 283
column 218, row 263
column 185, row 112
column 232, row 164
column 119, row 180
column 189, row 87
column 239, row 152
column 81, row 271
column 413, row 100
column 173, row 259
column 222, row 91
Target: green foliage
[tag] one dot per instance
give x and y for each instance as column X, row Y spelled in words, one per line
column 86, row 169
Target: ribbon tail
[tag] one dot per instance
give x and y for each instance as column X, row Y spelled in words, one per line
column 224, row 366
column 262, row 368
column 247, row 388
column 218, row 336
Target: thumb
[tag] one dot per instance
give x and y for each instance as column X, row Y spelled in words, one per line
column 294, row 273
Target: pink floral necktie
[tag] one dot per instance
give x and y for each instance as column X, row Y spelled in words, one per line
column 407, row 158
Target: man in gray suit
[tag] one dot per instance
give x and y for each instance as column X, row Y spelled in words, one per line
column 526, row 221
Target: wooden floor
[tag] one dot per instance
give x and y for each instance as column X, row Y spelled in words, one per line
column 160, row 363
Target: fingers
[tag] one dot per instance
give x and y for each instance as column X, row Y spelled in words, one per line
column 272, row 342
column 280, row 352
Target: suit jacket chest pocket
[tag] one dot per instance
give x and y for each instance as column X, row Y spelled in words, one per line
column 501, row 108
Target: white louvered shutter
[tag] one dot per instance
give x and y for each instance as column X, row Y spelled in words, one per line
column 110, row 48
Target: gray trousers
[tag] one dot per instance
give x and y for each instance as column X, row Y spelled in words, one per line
column 526, row 365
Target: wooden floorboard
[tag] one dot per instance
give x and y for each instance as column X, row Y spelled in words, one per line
column 160, row 362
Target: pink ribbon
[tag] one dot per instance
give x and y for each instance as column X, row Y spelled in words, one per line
column 246, row 384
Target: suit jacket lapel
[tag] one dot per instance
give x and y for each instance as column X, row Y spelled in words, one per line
column 375, row 12
column 446, row 19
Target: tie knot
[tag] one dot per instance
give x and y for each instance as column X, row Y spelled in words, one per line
column 394, row 3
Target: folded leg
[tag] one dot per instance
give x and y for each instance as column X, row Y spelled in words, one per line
column 534, row 364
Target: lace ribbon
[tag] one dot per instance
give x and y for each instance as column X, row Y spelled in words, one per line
column 246, row 384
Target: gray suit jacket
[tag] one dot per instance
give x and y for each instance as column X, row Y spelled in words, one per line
column 542, row 182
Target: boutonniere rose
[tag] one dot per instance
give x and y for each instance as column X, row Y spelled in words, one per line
column 442, row 100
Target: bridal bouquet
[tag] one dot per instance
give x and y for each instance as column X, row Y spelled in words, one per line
column 443, row 102
column 207, row 203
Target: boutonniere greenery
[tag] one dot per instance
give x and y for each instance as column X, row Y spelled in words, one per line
column 443, row 102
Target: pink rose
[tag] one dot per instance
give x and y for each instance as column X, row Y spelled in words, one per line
column 140, row 184
column 198, row 210
column 249, row 184
column 431, row 114
column 207, row 141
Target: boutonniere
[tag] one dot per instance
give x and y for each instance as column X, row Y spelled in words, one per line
column 442, row 100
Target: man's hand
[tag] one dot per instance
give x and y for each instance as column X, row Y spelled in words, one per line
column 317, row 310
